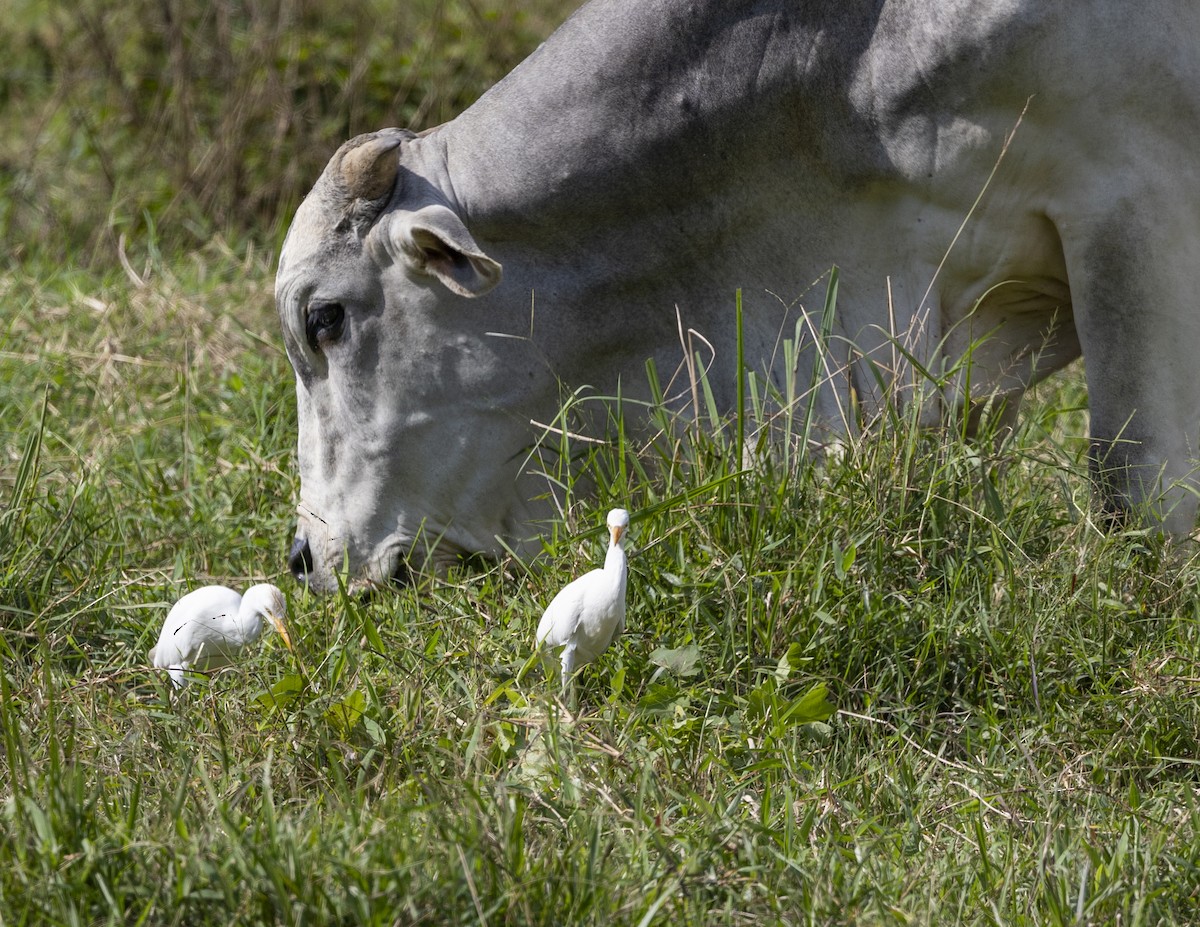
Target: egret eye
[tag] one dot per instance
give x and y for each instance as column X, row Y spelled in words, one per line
column 323, row 324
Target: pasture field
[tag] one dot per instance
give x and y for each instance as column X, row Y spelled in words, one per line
column 919, row 686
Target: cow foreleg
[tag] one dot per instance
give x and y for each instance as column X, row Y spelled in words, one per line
column 1135, row 281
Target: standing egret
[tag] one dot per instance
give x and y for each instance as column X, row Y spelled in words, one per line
column 210, row 627
column 585, row 617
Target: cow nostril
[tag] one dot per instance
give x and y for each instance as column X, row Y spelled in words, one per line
column 300, row 560
column 402, row 573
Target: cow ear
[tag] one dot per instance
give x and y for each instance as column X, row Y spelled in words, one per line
column 435, row 241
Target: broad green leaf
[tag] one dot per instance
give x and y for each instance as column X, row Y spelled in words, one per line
column 682, row 661
column 661, row 699
column 344, row 715
column 372, row 634
column 812, row 706
column 788, row 662
column 616, row 685
column 281, row 694
column 374, row 730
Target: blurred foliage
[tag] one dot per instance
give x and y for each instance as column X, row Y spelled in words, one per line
column 166, row 121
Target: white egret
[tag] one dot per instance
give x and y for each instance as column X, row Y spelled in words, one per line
column 589, row 613
column 209, row 628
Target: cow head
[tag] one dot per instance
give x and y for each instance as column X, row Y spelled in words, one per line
column 401, row 395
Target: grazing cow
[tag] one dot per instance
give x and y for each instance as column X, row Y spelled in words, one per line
column 1024, row 170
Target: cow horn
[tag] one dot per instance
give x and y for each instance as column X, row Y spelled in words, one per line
column 369, row 169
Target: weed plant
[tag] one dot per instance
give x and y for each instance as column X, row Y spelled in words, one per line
column 913, row 685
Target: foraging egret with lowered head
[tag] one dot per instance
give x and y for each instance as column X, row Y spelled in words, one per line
column 585, row 617
column 209, row 628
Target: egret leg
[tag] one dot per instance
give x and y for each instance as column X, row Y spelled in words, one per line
column 568, row 668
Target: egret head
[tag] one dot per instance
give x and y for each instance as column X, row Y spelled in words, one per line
column 618, row 524
column 267, row 600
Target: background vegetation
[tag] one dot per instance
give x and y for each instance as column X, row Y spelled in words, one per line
column 918, row 686
column 172, row 121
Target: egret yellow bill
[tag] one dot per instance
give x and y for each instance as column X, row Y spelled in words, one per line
column 589, row 613
column 210, row 627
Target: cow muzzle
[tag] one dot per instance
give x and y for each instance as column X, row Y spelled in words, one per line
column 300, row 564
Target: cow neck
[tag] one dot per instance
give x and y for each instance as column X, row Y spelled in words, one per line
column 553, row 147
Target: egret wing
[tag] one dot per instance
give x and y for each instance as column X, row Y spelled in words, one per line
column 599, row 618
column 173, row 644
column 200, row 623
column 561, row 618
column 215, row 643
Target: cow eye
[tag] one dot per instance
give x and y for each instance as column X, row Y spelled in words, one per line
column 323, row 324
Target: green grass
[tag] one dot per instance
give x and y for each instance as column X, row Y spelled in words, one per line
column 1016, row 731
